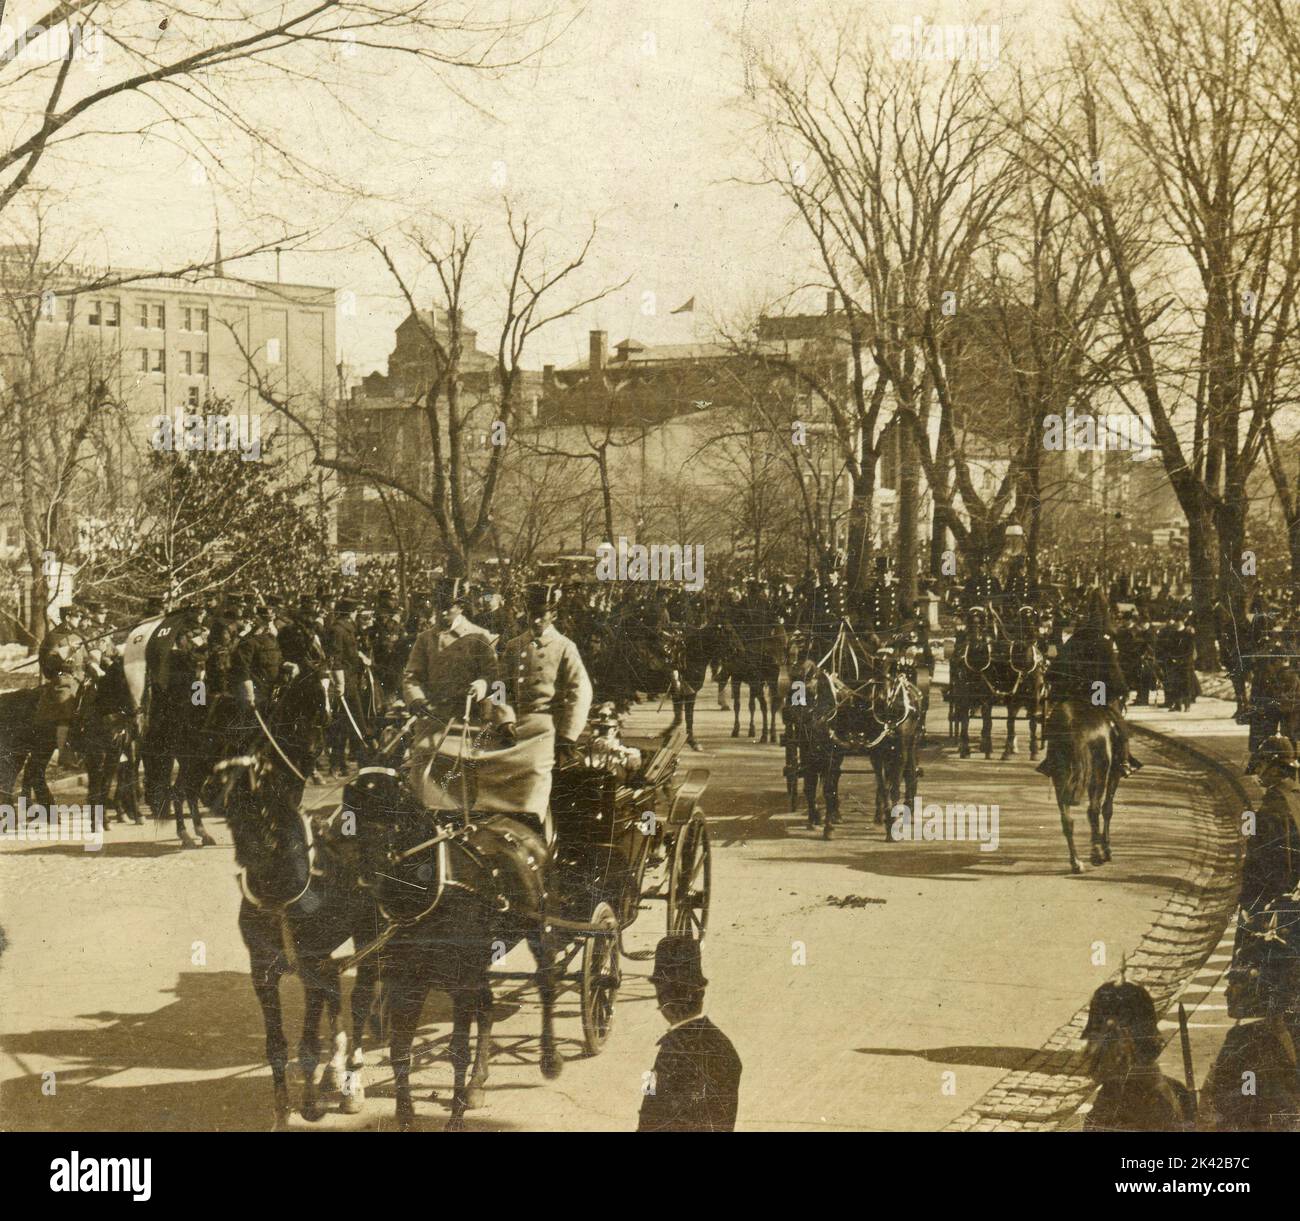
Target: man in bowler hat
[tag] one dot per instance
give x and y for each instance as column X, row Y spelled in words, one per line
column 695, row 1085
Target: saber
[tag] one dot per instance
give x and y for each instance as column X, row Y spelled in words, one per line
column 1189, row 1076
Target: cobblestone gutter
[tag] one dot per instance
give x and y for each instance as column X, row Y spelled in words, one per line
column 1048, row 1091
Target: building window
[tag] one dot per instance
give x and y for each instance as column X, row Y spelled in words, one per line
column 96, row 315
column 189, row 363
column 201, row 363
column 144, row 360
column 192, row 396
column 112, row 314
column 272, row 351
column 159, row 363
column 194, row 319
column 160, row 317
column 144, row 317
column 69, row 308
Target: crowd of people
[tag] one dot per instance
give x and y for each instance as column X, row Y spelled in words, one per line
column 381, row 651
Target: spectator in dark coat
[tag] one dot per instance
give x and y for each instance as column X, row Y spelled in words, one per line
column 695, row 1085
column 1123, row 1041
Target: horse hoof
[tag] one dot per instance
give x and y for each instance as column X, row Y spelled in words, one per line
column 1096, row 857
column 827, row 833
column 1075, row 867
column 187, row 842
column 1106, row 853
column 735, row 733
column 693, row 744
column 475, row 1097
column 552, row 1064
column 206, row 840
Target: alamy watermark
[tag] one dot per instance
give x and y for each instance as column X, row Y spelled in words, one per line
column 41, row 44
column 922, row 42
column 1098, row 433
column 656, row 562
column 34, row 823
column 955, row 822
column 186, row 432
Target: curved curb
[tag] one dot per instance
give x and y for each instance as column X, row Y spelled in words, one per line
column 1047, row 1092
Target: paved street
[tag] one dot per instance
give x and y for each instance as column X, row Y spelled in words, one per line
column 865, row 984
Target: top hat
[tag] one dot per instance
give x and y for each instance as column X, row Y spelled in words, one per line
column 677, row 963
column 538, row 599
column 345, row 606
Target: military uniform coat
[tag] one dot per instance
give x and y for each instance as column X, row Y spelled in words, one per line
column 63, row 658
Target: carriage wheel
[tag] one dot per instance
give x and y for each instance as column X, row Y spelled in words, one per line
column 601, row 976
column 689, row 885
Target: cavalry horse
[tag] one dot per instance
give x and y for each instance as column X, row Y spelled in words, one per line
column 861, row 705
column 751, row 652
column 301, row 897
column 19, row 737
column 1083, row 763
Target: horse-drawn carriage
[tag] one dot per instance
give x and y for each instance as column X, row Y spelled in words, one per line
column 861, row 701
column 619, row 843
column 454, row 885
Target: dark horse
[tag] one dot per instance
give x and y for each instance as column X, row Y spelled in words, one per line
column 107, row 740
column 456, row 897
column 301, row 894
column 971, row 686
column 861, row 706
column 627, row 657
column 19, row 737
column 751, row 652
column 1084, row 763
column 691, row 649
column 1019, row 676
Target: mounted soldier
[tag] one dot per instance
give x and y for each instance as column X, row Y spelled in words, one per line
column 1087, row 670
column 879, row 609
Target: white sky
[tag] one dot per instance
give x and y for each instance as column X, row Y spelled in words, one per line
column 632, row 119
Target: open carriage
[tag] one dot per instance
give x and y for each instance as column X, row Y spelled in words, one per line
column 619, row 844
column 622, row 839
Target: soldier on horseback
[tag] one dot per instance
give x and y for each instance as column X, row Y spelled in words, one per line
column 1087, row 669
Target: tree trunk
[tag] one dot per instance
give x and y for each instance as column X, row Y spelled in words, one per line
column 908, row 507
column 1203, row 565
column 859, row 541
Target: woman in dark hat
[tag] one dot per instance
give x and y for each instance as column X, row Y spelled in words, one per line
column 1123, row 1047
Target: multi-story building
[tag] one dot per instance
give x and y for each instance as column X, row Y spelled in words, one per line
column 382, row 422
column 168, row 343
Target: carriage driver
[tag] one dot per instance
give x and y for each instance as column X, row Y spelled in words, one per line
column 1087, row 666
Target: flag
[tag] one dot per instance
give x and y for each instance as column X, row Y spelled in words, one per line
column 687, row 308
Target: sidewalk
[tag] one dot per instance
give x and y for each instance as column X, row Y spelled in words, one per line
column 1209, row 730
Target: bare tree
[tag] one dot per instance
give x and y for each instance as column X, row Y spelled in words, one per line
column 895, row 171
column 469, row 423
column 1180, row 153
